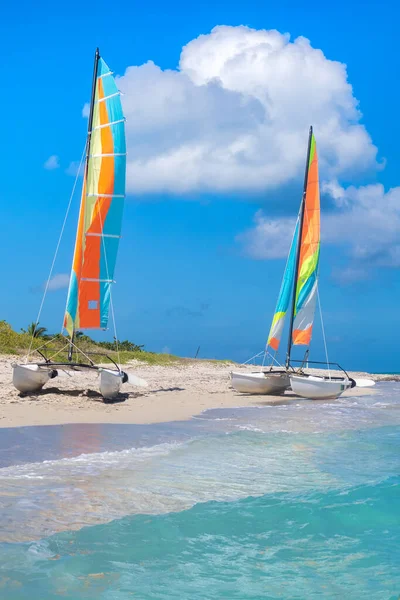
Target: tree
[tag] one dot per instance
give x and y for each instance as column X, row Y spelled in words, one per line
column 34, row 330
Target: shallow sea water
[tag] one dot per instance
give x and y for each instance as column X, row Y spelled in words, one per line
column 297, row 501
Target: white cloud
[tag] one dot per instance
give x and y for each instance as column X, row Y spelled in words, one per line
column 58, row 282
column 74, row 168
column 350, row 275
column 366, row 222
column 53, row 162
column 235, row 115
column 369, row 224
column 269, row 238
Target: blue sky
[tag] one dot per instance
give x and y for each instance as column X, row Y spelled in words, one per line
column 184, row 276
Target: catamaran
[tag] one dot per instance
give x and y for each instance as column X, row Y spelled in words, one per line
column 300, row 290
column 89, row 298
column 305, row 291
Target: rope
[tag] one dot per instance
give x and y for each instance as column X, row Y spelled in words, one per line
column 265, row 353
column 59, row 351
column 40, row 347
column 323, row 331
column 111, row 300
column 56, row 253
column 79, row 350
column 320, row 314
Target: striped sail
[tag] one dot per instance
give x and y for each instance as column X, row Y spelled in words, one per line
column 100, row 217
column 285, row 295
column 307, row 277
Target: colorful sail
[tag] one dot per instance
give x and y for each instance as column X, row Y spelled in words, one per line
column 307, row 276
column 102, row 202
column 285, row 295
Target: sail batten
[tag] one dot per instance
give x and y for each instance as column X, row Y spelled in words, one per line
column 108, row 124
column 100, row 216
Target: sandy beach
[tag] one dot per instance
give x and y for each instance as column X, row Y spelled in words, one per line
column 176, row 392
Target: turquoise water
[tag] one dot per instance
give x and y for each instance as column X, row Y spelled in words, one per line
column 293, row 502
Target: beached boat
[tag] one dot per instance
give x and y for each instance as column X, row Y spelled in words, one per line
column 305, row 289
column 260, row 382
column 274, row 380
column 89, row 298
column 300, row 290
column 319, row 388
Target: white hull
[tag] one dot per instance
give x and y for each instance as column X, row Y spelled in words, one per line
column 260, row 382
column 30, row 377
column 318, row 388
column 110, row 383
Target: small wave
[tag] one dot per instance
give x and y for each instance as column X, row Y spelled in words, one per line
column 249, row 428
column 102, row 459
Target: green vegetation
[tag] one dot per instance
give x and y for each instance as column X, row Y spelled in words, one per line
column 56, row 347
column 35, row 337
column 34, row 330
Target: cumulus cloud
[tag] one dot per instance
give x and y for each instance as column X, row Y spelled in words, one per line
column 58, row 282
column 269, row 238
column 235, row 114
column 366, row 221
column 352, row 274
column 53, row 162
column 74, row 168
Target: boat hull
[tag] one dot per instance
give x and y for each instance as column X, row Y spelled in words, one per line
column 31, row 377
column 110, row 383
column 260, row 382
column 318, row 388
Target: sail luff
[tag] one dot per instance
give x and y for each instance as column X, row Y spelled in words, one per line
column 100, row 216
column 70, row 311
column 298, row 249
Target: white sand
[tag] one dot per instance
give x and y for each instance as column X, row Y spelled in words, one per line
column 175, row 392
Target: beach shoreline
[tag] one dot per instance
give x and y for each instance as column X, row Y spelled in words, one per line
column 176, row 392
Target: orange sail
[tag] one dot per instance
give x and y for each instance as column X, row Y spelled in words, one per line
column 102, row 202
column 307, row 273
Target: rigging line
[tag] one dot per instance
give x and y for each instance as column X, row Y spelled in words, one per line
column 42, row 346
column 323, row 332
column 250, row 359
column 59, row 351
column 320, row 312
column 56, row 252
column 274, row 359
column 111, row 298
column 80, row 350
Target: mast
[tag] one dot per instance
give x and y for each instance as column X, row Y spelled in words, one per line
column 88, row 139
column 302, row 208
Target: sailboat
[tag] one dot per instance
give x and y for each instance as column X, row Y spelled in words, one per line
column 98, row 232
column 305, row 292
column 274, row 380
column 300, row 290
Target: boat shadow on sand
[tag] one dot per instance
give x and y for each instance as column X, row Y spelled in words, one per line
column 93, row 394
column 83, row 393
